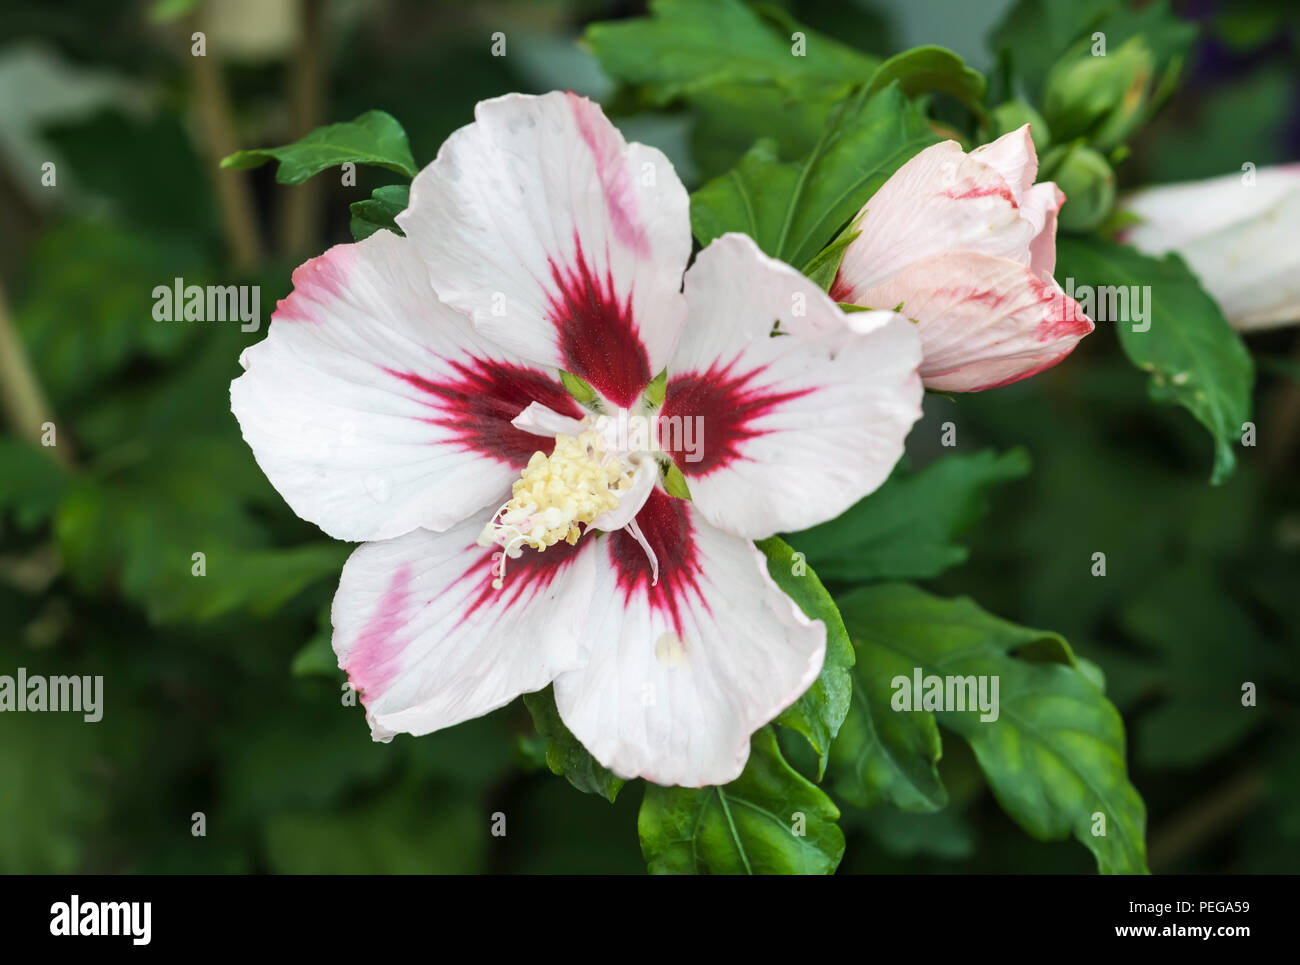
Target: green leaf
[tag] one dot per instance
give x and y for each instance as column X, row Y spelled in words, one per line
column 137, row 531
column 265, row 771
column 881, row 756
column 565, row 755
column 146, row 169
column 373, row 138
column 402, row 832
column 909, row 527
column 1180, row 620
column 31, row 482
column 1054, row 756
column 820, row 711
column 317, row 655
column 1193, row 355
column 687, row 46
column 164, row 11
column 379, row 210
column 745, row 827
column 793, row 210
column 87, row 308
column 53, row 791
column 64, row 780
column 826, row 265
column 924, row 69
column 1034, row 34
column 727, row 120
column 945, row 834
column 745, row 71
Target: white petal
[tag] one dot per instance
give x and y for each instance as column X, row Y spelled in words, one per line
column 1040, row 206
column 687, row 670
column 373, row 408
column 540, row 420
column 1238, row 237
column 630, row 501
column 428, row 642
column 983, row 322
column 1174, row 214
column 779, row 433
column 1013, row 156
column 1252, row 267
column 564, row 242
column 941, row 200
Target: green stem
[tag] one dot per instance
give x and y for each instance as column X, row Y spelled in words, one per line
column 1205, row 819
column 300, row 217
column 219, row 137
column 21, row 395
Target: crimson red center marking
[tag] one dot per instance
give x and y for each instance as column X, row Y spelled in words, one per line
column 599, row 340
column 728, row 404
column 527, row 576
column 666, row 525
column 477, row 403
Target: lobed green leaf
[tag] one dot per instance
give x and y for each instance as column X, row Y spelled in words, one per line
column 374, row 137
column 746, row 827
column 909, row 527
column 565, row 755
column 1194, row 357
column 1055, row 754
column 820, row 711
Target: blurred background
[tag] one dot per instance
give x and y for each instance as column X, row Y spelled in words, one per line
column 221, row 693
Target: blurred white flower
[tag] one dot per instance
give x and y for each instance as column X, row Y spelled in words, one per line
column 1238, row 234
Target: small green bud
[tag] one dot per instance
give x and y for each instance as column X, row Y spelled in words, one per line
column 1103, row 98
column 1089, row 186
column 1015, row 114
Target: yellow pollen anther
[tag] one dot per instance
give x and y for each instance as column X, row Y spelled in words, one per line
column 578, row 482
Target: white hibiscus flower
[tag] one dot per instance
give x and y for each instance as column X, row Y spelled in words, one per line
column 408, row 395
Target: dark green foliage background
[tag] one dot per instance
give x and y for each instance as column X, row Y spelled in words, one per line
column 221, row 694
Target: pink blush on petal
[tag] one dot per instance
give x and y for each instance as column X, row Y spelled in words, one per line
column 990, row 298
column 317, row 281
column 1054, row 360
column 620, row 198
column 983, row 191
column 1064, row 319
column 372, row 664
